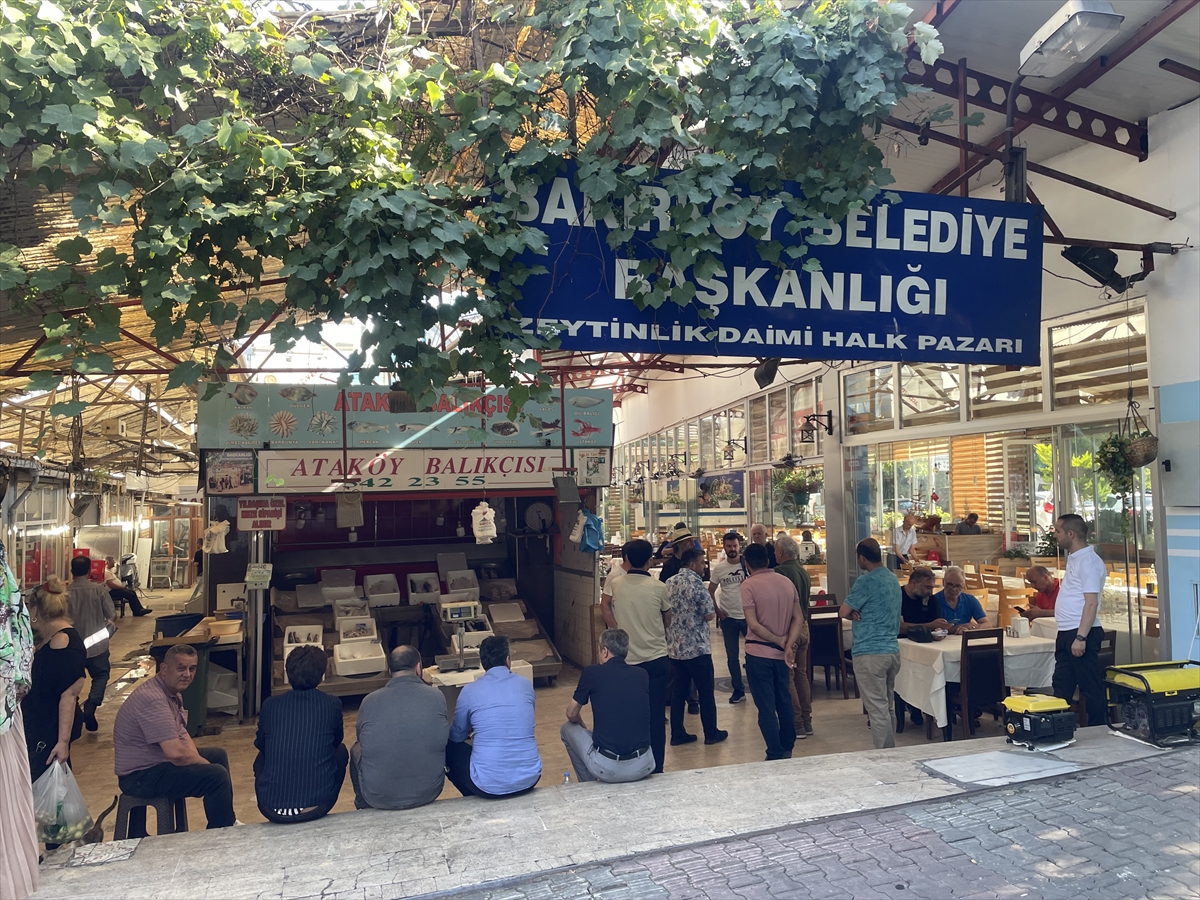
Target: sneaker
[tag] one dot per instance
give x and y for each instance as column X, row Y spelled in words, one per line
column 683, row 739
column 693, row 709
column 738, row 697
column 808, row 732
column 800, row 735
column 716, row 737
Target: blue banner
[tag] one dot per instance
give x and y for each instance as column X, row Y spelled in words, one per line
column 926, row 278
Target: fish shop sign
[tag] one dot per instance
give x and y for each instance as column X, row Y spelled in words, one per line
column 925, row 279
column 284, row 471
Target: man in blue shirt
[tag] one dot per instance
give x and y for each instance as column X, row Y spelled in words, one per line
column 962, row 611
column 301, row 761
column 873, row 606
column 502, row 759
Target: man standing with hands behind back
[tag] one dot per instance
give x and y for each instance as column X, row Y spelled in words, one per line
column 1077, row 612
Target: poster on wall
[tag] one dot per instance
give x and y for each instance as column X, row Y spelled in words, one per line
column 593, row 468
column 278, row 417
column 723, row 491
column 229, row 472
column 915, row 277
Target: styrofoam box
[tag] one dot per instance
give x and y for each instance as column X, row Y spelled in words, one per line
column 417, row 584
column 338, row 583
column 470, row 639
column 450, row 562
column 359, row 658
column 357, row 628
column 347, row 607
column 295, row 635
column 522, row 668
column 310, row 596
column 463, row 581
column 381, row 590
column 288, row 648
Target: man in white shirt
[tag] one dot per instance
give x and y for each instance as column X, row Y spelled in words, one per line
column 725, row 584
column 1077, row 611
column 904, row 539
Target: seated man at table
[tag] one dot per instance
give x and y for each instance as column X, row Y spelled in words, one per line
column 301, row 760
column 120, row 592
column 962, row 611
column 969, row 525
column 1046, row 585
column 617, row 749
column 502, row 760
column 153, row 754
column 917, row 607
column 399, row 760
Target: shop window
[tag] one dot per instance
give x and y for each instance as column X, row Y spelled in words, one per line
column 1096, row 361
column 777, row 409
column 930, row 394
column 1005, row 391
column 869, row 400
column 708, row 442
column 760, row 445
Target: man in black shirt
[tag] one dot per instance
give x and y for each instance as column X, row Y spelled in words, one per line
column 617, row 749
column 917, row 607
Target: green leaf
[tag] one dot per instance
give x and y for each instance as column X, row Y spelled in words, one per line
column 73, row 249
column 68, row 408
column 974, row 120
column 184, row 374
column 43, row 381
column 276, row 157
column 92, row 363
column 69, row 119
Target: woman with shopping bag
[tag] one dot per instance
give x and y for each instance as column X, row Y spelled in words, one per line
column 51, row 708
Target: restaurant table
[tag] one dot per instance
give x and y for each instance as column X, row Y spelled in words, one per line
column 1044, row 626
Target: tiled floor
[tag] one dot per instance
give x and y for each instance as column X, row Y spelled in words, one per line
column 839, row 725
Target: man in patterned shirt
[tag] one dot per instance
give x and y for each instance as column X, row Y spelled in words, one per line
column 689, row 649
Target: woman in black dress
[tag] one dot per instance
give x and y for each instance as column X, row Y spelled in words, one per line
column 51, row 708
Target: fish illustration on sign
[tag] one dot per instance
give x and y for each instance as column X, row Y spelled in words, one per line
column 322, row 423
column 402, row 427
column 244, row 395
column 583, row 429
column 460, row 429
column 297, row 394
column 505, row 429
column 542, row 425
column 365, row 427
column 585, row 402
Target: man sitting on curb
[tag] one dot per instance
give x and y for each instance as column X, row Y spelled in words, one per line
column 153, row 754
column 502, row 760
column 617, row 749
column 399, row 760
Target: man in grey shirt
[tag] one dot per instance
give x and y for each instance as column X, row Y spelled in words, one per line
column 399, row 760
column 94, row 616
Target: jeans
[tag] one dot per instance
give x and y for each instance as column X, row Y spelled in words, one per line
column 876, row 677
column 98, row 667
column 209, row 780
column 732, row 630
column 458, row 770
column 769, row 686
column 307, row 814
column 1081, row 672
column 686, row 672
column 592, row 765
column 657, row 670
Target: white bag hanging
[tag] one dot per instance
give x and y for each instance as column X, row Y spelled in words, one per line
column 483, row 523
column 214, row 537
column 577, row 532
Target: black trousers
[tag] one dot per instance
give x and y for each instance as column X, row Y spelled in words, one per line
column 458, row 770
column 306, row 814
column 697, row 672
column 209, row 780
column 99, row 668
column 1081, row 672
column 657, row 670
column 121, row 596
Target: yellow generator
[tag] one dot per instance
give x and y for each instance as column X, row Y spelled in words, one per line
column 1159, row 702
column 1032, row 719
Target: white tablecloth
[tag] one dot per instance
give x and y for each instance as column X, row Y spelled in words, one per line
column 1044, row 626
column 926, row 668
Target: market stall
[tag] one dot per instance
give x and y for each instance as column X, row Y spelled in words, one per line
column 369, row 520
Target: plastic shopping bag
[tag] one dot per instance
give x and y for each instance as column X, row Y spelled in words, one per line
column 58, row 806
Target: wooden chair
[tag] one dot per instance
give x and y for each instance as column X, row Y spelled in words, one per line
column 969, row 569
column 825, row 641
column 982, row 686
column 1006, row 600
column 1050, row 562
column 1020, row 571
column 847, row 661
column 989, row 570
column 975, row 585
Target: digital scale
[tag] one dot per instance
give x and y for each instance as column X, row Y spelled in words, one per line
column 458, row 610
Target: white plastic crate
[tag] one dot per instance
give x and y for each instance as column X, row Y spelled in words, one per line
column 359, row 658
column 381, row 590
column 338, row 583
column 350, row 606
column 310, row 596
column 463, row 581
column 294, row 635
column 423, row 587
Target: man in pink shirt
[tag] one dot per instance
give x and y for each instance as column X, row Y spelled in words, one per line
column 774, row 621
